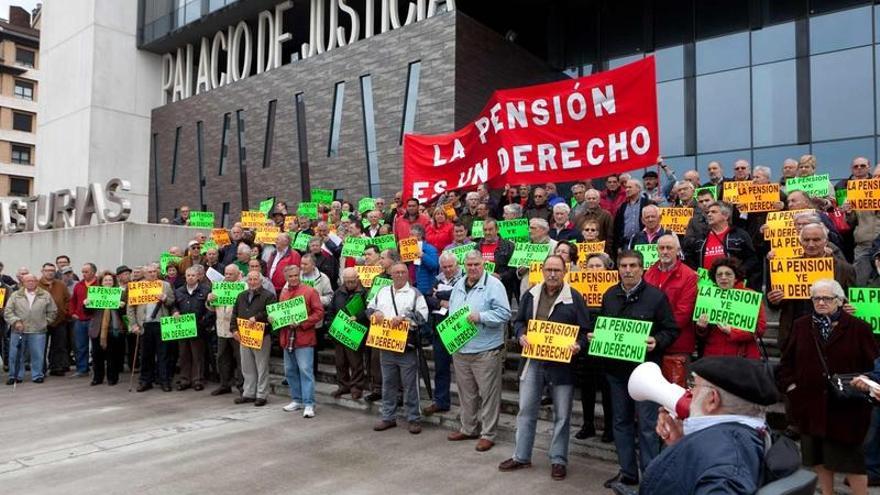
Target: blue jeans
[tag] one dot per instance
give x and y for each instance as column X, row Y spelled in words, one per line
column 872, row 446
column 531, row 385
column 625, row 411
column 300, row 374
column 81, row 343
column 35, row 343
column 442, row 373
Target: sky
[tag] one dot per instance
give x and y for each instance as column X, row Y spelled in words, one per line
column 28, row 5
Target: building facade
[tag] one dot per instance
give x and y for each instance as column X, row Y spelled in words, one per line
column 19, row 93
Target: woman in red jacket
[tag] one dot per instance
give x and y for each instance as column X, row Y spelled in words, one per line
column 722, row 340
column 439, row 233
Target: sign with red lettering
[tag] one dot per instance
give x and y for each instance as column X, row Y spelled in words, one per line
column 558, row 132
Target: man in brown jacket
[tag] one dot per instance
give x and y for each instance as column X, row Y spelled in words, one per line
column 59, row 355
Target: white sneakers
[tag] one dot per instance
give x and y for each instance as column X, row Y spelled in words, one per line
column 293, row 406
column 309, row 412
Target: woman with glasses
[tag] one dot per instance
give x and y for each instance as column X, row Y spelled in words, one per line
column 723, row 340
column 829, row 341
column 591, row 232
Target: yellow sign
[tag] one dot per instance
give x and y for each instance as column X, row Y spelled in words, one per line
column 250, row 334
column 387, row 336
column 266, row 235
column 450, row 211
column 731, row 191
column 253, row 219
column 786, row 247
column 144, row 292
column 536, row 275
column 2, row 296
column 794, row 276
column 549, row 341
column 367, row 273
column 676, row 219
column 784, row 218
column 777, row 232
column 409, row 249
column 593, row 284
column 587, row 248
column 220, row 237
column 863, row 194
column 753, row 198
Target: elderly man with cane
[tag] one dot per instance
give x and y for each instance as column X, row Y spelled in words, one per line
column 29, row 311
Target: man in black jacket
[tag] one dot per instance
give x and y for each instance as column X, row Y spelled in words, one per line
column 251, row 305
column 190, row 298
column 349, row 363
column 726, row 240
column 635, row 299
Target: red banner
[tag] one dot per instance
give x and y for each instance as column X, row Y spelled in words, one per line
column 558, row 132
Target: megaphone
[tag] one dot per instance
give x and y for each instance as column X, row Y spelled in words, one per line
column 647, row 383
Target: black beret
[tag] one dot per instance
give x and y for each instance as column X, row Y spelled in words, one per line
column 749, row 379
column 650, row 173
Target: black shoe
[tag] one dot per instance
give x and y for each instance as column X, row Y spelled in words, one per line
column 166, row 387
column 585, row 433
column 183, row 386
column 260, row 402
column 143, row 387
column 622, row 479
column 198, row 387
column 96, row 382
column 221, row 391
column 244, row 400
column 10, row 381
column 112, row 382
column 373, row 397
column 607, row 436
column 57, row 373
column 39, row 380
column 546, row 401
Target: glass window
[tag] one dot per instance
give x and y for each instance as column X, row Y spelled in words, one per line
column 774, row 104
column 22, row 122
column 224, row 215
column 680, row 165
column 269, row 139
column 24, row 90
column 621, row 61
column 224, row 147
column 839, row 30
column 174, row 156
column 725, row 158
column 842, row 97
column 336, row 119
column 411, row 100
column 239, row 118
column 723, row 52
column 19, row 186
column 773, row 157
column 193, row 11
column 200, row 156
column 21, row 154
column 723, row 114
column 671, row 117
column 571, row 72
column 25, row 57
column 669, row 63
column 835, row 157
column 773, row 43
column 370, row 135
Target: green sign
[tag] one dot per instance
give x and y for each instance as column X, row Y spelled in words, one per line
column 711, row 189
column 165, row 259
column 353, row 247
column 322, row 196
column 573, row 202
column 209, row 244
column 514, row 230
column 366, row 204
column 732, row 307
column 813, row 185
column 489, row 266
column 527, row 253
column 378, row 283
column 620, row 338
column 477, row 229
column 345, row 215
column 461, row 251
column 182, row 327
column 289, row 312
column 302, row 242
column 703, row 276
column 347, row 332
column 456, row 330
column 308, row 210
column 356, row 305
column 840, row 195
column 649, row 254
column 266, row 205
column 104, row 297
column 867, row 304
column 227, row 292
column 201, row 219
column 385, row 242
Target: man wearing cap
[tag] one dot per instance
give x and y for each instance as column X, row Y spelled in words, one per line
column 193, row 257
column 653, row 192
column 720, row 447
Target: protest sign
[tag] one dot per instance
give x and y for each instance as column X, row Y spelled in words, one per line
column 227, row 292
column 840, row 196
column 562, row 131
column 201, row 219
column 489, row 266
column 289, row 312
column 550, row 341
column 784, row 218
column 176, row 328
column 461, row 252
column 649, row 254
column 384, row 242
column 308, row 210
column 703, row 276
column 794, row 276
column 409, row 249
column 253, row 219
column 266, row 235
column 526, row 253
column 753, row 198
column 301, row 242
column 863, row 194
column 585, row 249
column 367, row 273
column 101, row 297
column 711, row 189
column 813, row 185
column 867, row 304
column 378, row 283
column 347, row 332
column 592, row 284
column 251, row 334
column 266, row 206
column 2, row 296
column 355, row 306
column 353, row 247
column 676, row 219
column 387, row 336
column 514, row 230
column 221, row 237
column 366, row 204
column 733, row 307
column 477, row 229
column 620, row 338
column 456, row 330
column 786, row 247
column 166, row 258
column 144, row 292
column 731, row 192
column 322, row 196
column 536, row 275
column 209, row 244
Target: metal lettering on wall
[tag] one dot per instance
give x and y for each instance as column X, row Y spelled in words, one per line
column 63, row 208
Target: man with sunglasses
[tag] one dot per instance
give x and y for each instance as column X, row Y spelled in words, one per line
column 865, row 223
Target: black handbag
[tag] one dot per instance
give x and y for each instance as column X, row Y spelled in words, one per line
column 840, row 388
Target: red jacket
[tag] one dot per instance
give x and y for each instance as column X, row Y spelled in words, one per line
column 278, row 279
column 402, row 225
column 740, row 343
column 439, row 236
column 680, row 287
column 611, row 204
column 76, row 308
column 304, row 336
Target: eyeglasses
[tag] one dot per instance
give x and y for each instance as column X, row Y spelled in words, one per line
column 824, row 299
column 739, row 168
column 591, row 230
column 860, row 165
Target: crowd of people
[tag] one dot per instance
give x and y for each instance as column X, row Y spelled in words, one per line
column 463, row 261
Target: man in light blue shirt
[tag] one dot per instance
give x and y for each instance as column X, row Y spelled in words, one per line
column 479, row 363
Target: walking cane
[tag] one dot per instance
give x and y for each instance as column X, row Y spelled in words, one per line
column 19, row 356
column 423, row 369
column 137, row 341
